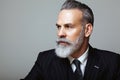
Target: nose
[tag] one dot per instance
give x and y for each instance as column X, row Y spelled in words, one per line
column 61, row 33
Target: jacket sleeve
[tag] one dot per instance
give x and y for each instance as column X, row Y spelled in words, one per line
column 36, row 71
column 118, row 75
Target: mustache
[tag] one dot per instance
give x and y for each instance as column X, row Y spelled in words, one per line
column 64, row 40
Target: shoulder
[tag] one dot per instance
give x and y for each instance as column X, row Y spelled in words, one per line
column 108, row 56
column 106, row 53
column 46, row 57
column 46, row 54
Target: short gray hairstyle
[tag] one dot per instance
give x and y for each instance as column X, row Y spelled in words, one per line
column 88, row 16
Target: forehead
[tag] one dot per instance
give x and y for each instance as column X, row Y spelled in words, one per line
column 69, row 16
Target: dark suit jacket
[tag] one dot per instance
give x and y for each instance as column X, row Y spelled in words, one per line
column 101, row 65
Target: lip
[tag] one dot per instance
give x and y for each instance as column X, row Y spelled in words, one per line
column 63, row 43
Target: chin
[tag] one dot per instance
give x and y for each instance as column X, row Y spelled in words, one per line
column 62, row 51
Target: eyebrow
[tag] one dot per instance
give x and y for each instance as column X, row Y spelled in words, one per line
column 68, row 24
column 64, row 24
column 57, row 24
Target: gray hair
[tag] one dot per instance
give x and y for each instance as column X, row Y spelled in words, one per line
column 88, row 16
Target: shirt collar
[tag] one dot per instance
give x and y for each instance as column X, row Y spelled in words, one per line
column 82, row 58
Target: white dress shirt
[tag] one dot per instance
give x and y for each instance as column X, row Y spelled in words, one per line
column 82, row 59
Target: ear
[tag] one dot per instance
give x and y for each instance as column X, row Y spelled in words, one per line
column 88, row 29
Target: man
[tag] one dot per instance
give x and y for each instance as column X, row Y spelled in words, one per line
column 73, row 58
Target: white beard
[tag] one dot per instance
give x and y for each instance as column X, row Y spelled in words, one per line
column 65, row 51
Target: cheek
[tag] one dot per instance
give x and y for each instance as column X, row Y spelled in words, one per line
column 73, row 34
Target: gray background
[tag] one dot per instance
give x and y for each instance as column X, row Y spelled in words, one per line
column 28, row 27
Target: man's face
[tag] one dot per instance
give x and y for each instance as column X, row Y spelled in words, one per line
column 70, row 31
column 69, row 25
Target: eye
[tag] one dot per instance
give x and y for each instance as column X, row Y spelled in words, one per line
column 58, row 26
column 69, row 26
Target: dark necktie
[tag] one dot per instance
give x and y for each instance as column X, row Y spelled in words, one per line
column 78, row 72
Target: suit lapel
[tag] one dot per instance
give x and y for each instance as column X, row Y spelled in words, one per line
column 69, row 75
column 62, row 69
column 93, row 66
